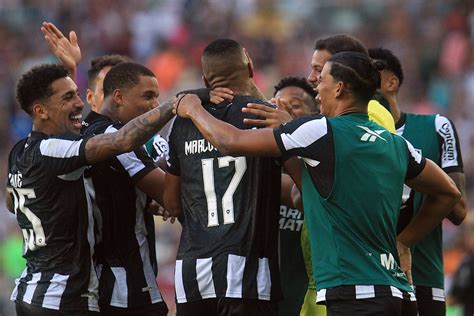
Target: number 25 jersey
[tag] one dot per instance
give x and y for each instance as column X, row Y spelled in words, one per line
column 229, row 242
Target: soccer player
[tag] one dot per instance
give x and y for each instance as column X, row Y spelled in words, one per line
column 46, row 191
column 127, row 256
column 435, row 137
column 227, row 261
column 296, row 96
column 352, row 180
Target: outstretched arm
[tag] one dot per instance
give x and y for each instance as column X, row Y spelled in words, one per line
column 133, row 134
column 441, row 194
column 228, row 139
column 67, row 51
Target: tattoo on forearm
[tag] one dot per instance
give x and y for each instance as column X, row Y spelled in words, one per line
column 133, row 134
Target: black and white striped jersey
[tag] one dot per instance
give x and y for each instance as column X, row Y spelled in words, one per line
column 229, row 242
column 45, row 178
column 126, row 254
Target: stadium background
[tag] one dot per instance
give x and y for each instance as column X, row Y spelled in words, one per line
column 434, row 40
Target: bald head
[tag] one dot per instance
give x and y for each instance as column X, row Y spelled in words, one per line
column 224, row 63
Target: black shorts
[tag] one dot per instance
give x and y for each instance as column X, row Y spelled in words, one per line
column 228, row 307
column 24, row 309
column 428, row 305
column 158, row 309
column 377, row 306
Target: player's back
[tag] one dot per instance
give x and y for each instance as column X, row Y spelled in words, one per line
column 230, row 214
column 45, row 179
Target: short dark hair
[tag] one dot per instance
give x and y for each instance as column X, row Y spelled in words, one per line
column 221, row 48
column 340, row 43
column 295, row 82
column 391, row 61
column 97, row 64
column 35, row 84
column 360, row 74
column 124, row 75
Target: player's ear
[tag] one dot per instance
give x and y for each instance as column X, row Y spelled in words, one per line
column 249, row 63
column 40, row 111
column 117, row 97
column 90, row 99
column 339, row 89
column 393, row 83
column 208, row 85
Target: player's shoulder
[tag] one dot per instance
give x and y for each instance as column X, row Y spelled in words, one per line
column 99, row 125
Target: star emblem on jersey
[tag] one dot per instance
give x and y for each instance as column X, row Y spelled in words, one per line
column 371, row 136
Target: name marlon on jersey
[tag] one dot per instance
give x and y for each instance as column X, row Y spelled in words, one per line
column 197, row 146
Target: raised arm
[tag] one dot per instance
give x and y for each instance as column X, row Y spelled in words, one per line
column 67, row 51
column 228, row 139
column 441, row 194
column 133, row 134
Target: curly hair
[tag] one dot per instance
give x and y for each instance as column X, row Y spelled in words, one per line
column 295, row 82
column 124, row 75
column 35, row 84
column 97, row 64
column 393, row 64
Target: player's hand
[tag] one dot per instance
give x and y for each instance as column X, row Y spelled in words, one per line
column 156, row 209
column 183, row 104
column 66, row 50
column 271, row 117
column 220, row 94
column 404, row 254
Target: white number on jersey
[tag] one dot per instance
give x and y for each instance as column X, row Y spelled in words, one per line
column 34, row 237
column 228, row 197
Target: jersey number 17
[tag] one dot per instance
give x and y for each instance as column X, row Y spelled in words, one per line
column 228, row 197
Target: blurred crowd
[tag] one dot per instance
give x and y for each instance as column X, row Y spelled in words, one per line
column 434, row 39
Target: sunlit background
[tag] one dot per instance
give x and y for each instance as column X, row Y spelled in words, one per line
column 434, row 40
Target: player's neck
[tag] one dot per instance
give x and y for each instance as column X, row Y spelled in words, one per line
column 394, row 109
column 247, row 88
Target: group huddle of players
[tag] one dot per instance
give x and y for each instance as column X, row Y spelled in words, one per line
column 307, row 203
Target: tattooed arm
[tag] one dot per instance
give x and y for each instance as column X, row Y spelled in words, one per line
column 132, row 135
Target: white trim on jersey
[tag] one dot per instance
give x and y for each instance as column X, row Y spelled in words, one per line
column 204, row 278
column 93, row 286
column 449, row 153
column 264, row 280
column 437, row 294
column 73, row 176
column 52, row 297
column 305, row 134
column 120, row 292
column 17, row 282
column 130, row 162
column 31, row 287
column 321, row 295
column 140, row 235
column 396, row 292
column 178, row 282
column 60, row 148
column 416, row 155
column 235, row 275
column 364, row 291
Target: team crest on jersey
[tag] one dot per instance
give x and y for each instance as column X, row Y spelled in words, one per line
column 161, row 148
column 371, row 136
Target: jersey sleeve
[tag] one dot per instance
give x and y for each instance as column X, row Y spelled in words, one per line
column 136, row 163
column 172, row 165
column 304, row 136
column 450, row 150
column 416, row 163
column 63, row 156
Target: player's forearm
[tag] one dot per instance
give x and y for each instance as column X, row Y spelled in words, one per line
column 220, row 134
column 432, row 211
column 134, row 134
column 458, row 213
